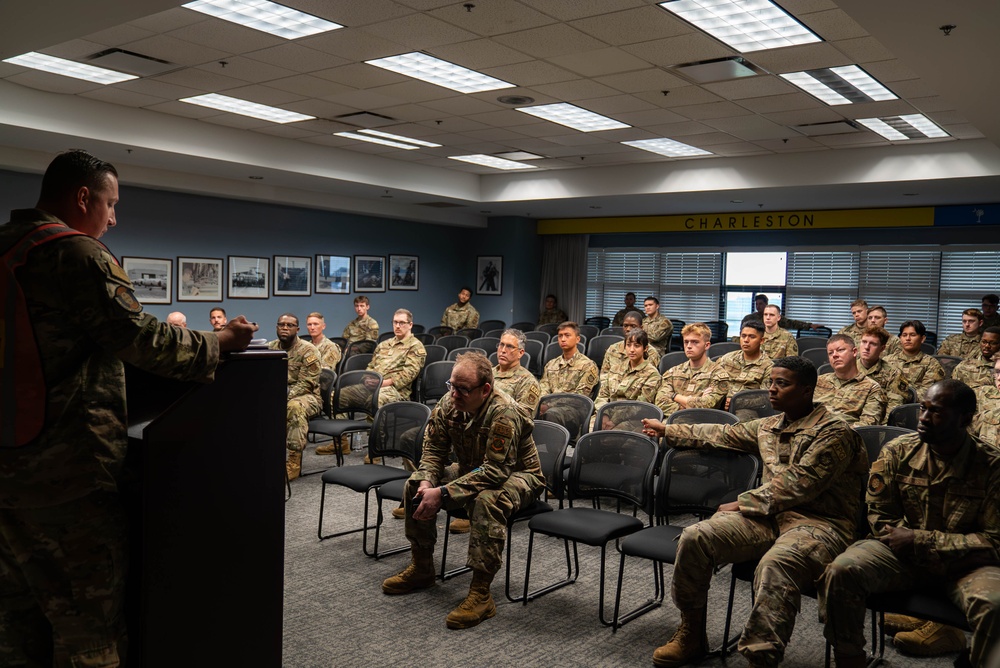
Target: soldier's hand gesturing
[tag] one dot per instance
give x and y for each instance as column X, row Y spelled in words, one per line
column 899, row 539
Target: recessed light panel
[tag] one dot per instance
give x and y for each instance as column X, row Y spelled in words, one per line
column 265, row 16
column 377, row 140
column 491, row 161
column 574, row 117
column 389, row 135
column 745, row 25
column 667, row 147
column 244, row 108
column 439, row 72
column 902, row 128
column 68, row 68
column 840, row 85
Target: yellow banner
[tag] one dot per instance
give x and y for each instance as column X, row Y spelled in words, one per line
column 733, row 222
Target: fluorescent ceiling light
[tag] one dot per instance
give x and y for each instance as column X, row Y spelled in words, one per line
column 840, row 85
column 389, row 135
column 439, row 72
column 376, row 140
column 244, row 108
column 745, row 25
column 69, row 68
column 265, row 16
column 667, row 147
column 574, row 117
column 491, row 161
column 901, row 128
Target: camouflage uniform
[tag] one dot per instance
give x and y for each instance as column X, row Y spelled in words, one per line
column 986, row 423
column 620, row 316
column 520, row 385
column 744, row 374
column 552, row 316
column 921, row 370
column 778, row 344
column 892, row 346
column 783, row 322
column 303, row 391
column 892, row 381
column 578, row 375
column 990, row 321
column 803, row 514
column 625, row 383
column 960, row 345
column 974, row 371
column 854, row 331
column 401, row 361
column 362, row 328
column 615, row 357
column 329, row 353
column 659, row 329
column 497, row 473
column 709, row 381
column 62, row 530
column 459, row 317
column 859, row 401
column 951, row 505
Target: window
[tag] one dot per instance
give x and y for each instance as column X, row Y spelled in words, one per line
column 904, row 282
column 965, row 278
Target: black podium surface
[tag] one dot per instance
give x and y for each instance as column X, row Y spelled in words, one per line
column 204, row 488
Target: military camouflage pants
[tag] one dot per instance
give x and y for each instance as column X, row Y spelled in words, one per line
column 790, row 562
column 488, row 514
column 62, row 584
column 300, row 409
column 869, row 567
column 389, row 394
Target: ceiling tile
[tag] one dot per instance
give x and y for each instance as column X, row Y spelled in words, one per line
column 620, row 104
column 363, row 99
column 236, row 121
column 800, row 7
column 172, row 19
column 859, row 139
column 319, row 108
column 122, row 97
column 412, row 91
column 600, row 62
column 419, row 31
column 532, row 73
column 653, row 79
column 411, row 129
column 793, row 144
column 264, row 94
column 454, row 124
column 286, row 130
column 461, row 105
column 296, row 57
column 354, row 13
column 834, row 24
column 674, row 130
column 575, row 139
column 535, row 130
column 353, row 44
column 964, row 131
column 671, row 51
column 738, row 148
column 325, row 126
column 500, row 135
column 819, row 114
column 225, row 35
column 174, row 50
column 641, row 24
column 567, row 10
column 651, row 117
column 948, row 118
column 888, row 71
column 751, row 128
column 120, row 35
column 479, row 54
column 679, row 97
column 410, row 113
column 505, row 118
column 863, row 49
column 745, row 87
column 700, row 112
column 425, row 5
column 911, row 88
column 245, row 69
column 183, row 109
column 360, row 75
column 801, row 57
column 550, row 41
column 75, row 49
column 207, row 82
column 495, row 17
column 160, row 89
column 930, row 103
column 634, row 155
column 772, row 103
column 52, row 82
column 572, row 91
column 706, row 139
column 870, row 109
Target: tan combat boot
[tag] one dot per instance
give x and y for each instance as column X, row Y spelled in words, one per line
column 476, row 607
column 399, row 513
column 293, row 465
column 901, row 623
column 458, row 525
column 418, row 575
column 931, row 639
column 689, row 643
column 345, row 444
column 330, row 448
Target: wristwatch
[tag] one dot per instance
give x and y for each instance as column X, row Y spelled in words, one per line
column 444, row 493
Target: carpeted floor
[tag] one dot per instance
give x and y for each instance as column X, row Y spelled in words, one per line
column 336, row 615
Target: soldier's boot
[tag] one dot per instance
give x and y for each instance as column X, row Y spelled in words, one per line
column 418, row 575
column 477, row 606
column 399, row 513
column 931, row 639
column 901, row 623
column 689, row 643
column 345, row 444
column 293, row 465
column 459, row 525
column 850, row 660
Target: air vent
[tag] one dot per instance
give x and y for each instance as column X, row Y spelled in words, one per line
column 440, row 205
column 829, row 128
column 719, row 69
column 131, row 62
column 367, row 119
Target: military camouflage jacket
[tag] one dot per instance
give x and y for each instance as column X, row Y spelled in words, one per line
column 952, row 505
column 361, row 329
column 986, row 423
column 892, row 381
column 460, row 317
column 744, row 375
column 892, row 346
column 990, row 321
column 813, row 468
column 620, row 316
column 960, row 345
column 974, row 371
column 303, row 368
column 709, row 382
column 399, row 360
column 780, row 343
column 921, row 370
column 329, row 353
column 783, row 322
column 859, row 400
column 86, row 321
column 855, row 332
column 489, row 447
column 624, row 382
column 615, row 356
column 659, row 329
column 577, row 375
column 552, row 316
column 520, row 384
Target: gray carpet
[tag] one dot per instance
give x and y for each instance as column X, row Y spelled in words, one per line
column 336, row 615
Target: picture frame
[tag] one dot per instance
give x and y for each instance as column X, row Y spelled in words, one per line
column 199, row 279
column 489, row 274
column 369, row 273
column 151, row 278
column 404, row 272
column 333, row 274
column 248, row 277
column 292, row 276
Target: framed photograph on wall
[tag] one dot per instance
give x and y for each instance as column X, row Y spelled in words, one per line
column 489, row 275
column 248, row 277
column 150, row 277
column 201, row 279
column 404, row 272
column 292, row 276
column 369, row 273
column 333, row 274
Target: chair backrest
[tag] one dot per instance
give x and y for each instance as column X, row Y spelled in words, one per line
column 928, row 348
column 677, row 338
column 720, row 330
column 392, row 421
column 495, row 333
column 553, row 351
column 670, row 360
column 626, row 415
column 598, row 346
column 551, row 440
column 821, row 332
column 817, row 356
column 699, row 481
column 551, row 329
column 486, row 343
column 613, row 331
column 340, row 341
column 452, row 341
column 433, row 388
column 454, row 353
column 424, row 338
column 536, row 351
column 702, row 416
column 572, row 411
column 357, row 392
column 590, row 331
column 417, row 329
column 356, row 362
column 598, row 321
column 876, row 436
column 525, row 359
column 751, row 404
column 471, row 332
column 440, row 330
column 616, row 464
column 384, row 336
column 931, row 338
column 948, row 363
column 541, row 337
column 524, row 326
column 717, row 350
column 356, row 348
column 904, row 416
column 435, row 353
column 487, row 325
column 327, row 385
column 810, row 342
column 824, row 368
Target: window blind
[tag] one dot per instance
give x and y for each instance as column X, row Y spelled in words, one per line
column 904, row 282
column 821, row 286
column 965, row 278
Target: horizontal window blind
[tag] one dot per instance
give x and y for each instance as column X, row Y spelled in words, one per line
column 904, row 282
column 821, row 286
column 690, row 285
column 965, row 278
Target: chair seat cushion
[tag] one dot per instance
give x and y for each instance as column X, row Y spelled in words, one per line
column 923, row 605
column 392, row 490
column 364, row 477
column 337, row 428
column 657, row 543
column 537, row 507
column 585, row 525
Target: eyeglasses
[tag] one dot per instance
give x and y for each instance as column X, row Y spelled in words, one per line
column 464, row 391
column 400, row 323
column 287, row 325
column 506, row 346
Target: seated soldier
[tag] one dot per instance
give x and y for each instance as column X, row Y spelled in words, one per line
column 511, row 377
column 364, row 327
column 986, row 423
column 636, row 380
column 921, row 370
column 927, row 532
column 966, row 343
column 888, row 376
column 329, row 352
column 977, row 371
column 629, row 306
column 760, row 302
column 615, row 355
column 571, row 372
column 859, row 311
column 749, row 368
column 878, row 317
column 778, row 342
column 657, row 326
column 697, row 383
column 846, row 391
column 551, row 315
column 303, row 388
column 461, row 314
column 990, row 316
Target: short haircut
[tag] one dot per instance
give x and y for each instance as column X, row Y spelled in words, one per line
column 917, row 326
column 569, row 324
column 878, row 308
column 698, row 329
column 479, row 363
column 753, row 324
column 651, row 298
column 316, row 314
column 633, row 315
column 552, row 297
column 639, row 336
column 361, row 299
column 991, row 298
column 992, row 330
column 974, row 312
column 775, row 307
column 877, row 332
column 760, row 296
column 804, row 370
column 963, row 398
column 630, row 293
column 290, row 315
column 859, row 302
column 409, row 316
column 217, row 308
column 843, row 338
column 465, row 288
column 517, row 334
column 72, row 170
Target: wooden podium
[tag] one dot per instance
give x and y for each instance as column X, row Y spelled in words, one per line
column 204, row 487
